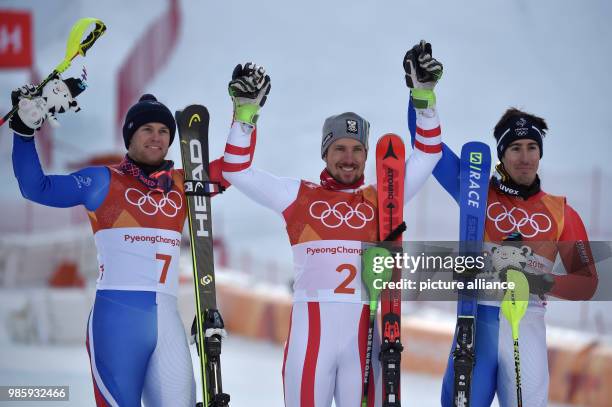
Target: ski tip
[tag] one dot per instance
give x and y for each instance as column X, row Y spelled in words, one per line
column 393, row 136
column 476, row 145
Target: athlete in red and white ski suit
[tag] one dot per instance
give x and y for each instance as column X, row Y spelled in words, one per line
column 325, row 348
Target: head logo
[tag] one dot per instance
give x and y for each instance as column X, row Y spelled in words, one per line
column 521, row 122
column 195, row 118
column 351, row 126
column 475, row 157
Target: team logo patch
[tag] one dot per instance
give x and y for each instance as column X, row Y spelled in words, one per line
column 520, row 129
column 351, row 126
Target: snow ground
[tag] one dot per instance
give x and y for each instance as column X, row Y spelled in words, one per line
column 251, row 374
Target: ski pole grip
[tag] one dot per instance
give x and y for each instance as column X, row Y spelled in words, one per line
column 92, row 37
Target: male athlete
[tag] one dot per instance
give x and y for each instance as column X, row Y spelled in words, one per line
column 326, row 224
column 135, row 338
column 518, row 209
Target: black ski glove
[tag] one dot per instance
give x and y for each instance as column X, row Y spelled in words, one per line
column 422, row 74
column 539, row 284
column 249, row 89
column 31, row 113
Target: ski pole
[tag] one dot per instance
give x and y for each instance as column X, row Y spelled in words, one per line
column 369, row 276
column 513, row 307
column 74, row 47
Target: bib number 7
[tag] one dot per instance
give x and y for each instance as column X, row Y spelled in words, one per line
column 166, row 258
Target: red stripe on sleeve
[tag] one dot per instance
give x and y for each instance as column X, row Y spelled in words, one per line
column 429, row 133
column 437, row 148
column 232, row 149
column 312, row 353
column 231, row 167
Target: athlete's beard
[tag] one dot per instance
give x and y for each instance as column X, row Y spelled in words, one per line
column 336, row 175
column 351, row 182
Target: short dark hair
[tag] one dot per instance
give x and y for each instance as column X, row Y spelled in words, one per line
column 513, row 113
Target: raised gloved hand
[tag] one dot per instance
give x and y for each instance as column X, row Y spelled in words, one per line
column 248, row 88
column 31, row 113
column 57, row 96
column 422, row 73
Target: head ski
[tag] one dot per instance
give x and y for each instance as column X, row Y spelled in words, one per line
column 192, row 123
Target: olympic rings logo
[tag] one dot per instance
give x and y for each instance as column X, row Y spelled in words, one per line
column 342, row 213
column 167, row 205
column 518, row 220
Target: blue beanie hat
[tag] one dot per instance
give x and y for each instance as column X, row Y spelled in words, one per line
column 147, row 110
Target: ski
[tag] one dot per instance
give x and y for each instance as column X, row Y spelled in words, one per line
column 192, row 123
column 390, row 169
column 473, row 187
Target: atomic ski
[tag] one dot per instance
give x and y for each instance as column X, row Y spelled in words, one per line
column 390, row 169
column 192, row 125
column 473, row 188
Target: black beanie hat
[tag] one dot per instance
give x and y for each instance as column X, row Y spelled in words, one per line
column 147, row 110
column 516, row 128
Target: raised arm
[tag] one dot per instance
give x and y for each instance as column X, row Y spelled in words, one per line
column 426, row 152
column 446, row 170
column 422, row 74
column 87, row 187
column 249, row 88
column 264, row 188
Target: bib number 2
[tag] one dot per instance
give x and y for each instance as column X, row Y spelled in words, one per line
column 344, row 288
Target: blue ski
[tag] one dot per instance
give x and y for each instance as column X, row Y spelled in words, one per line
column 473, row 187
